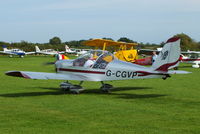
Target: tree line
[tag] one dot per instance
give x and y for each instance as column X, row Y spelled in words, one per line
column 187, row 43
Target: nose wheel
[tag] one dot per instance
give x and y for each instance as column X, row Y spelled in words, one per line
column 195, row 66
column 106, row 87
column 76, row 89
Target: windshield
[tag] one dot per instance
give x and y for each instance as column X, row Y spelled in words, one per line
column 89, row 57
column 94, row 59
column 103, row 60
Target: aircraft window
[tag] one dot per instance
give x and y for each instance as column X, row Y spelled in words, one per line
column 103, row 60
column 88, row 59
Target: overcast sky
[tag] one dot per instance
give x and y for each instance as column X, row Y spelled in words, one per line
column 145, row 21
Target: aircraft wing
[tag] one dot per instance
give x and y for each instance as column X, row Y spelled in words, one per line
column 2, row 52
column 190, row 52
column 178, row 72
column 7, row 53
column 42, row 75
column 45, row 53
column 61, row 52
column 30, row 53
column 147, row 51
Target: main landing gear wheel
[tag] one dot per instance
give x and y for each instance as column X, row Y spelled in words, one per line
column 175, row 68
column 76, row 89
column 166, row 76
column 106, row 87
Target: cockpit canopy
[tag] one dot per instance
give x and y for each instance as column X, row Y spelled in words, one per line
column 94, row 59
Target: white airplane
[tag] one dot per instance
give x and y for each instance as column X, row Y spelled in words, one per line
column 192, row 57
column 81, row 51
column 69, row 50
column 98, row 65
column 45, row 51
column 53, row 52
column 17, row 52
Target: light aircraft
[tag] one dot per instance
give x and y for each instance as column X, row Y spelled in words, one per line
column 17, row 52
column 122, row 50
column 47, row 51
column 147, row 54
column 192, row 57
column 69, row 50
column 81, row 51
column 75, row 51
column 98, row 65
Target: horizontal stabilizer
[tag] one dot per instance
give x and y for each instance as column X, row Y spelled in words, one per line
column 178, row 72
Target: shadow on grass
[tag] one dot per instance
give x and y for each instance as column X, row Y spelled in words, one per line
column 51, row 88
column 124, row 95
column 98, row 91
column 139, row 96
column 113, row 92
column 29, row 94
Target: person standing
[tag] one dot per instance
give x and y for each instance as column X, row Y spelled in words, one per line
column 154, row 56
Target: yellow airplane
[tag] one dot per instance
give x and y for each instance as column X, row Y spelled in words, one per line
column 122, row 50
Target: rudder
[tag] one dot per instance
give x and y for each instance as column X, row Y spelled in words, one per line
column 169, row 55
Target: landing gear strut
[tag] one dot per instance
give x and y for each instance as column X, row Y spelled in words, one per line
column 166, row 76
column 66, row 86
column 106, row 87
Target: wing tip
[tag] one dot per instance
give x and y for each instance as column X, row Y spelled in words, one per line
column 17, row 74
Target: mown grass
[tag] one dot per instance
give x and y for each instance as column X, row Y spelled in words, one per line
column 135, row 106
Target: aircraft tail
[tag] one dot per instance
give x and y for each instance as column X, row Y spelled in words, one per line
column 37, row 49
column 67, row 48
column 169, row 56
column 4, row 48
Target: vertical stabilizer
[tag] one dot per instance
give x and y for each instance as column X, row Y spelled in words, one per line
column 67, row 48
column 4, row 48
column 37, row 49
column 168, row 56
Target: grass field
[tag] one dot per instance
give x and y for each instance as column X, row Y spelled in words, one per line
column 135, row 106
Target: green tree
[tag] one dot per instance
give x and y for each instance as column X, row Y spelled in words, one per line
column 124, row 39
column 55, row 41
column 107, row 38
column 187, row 43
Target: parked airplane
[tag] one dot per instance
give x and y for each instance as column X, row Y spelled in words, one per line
column 45, row 51
column 53, row 52
column 122, row 50
column 98, row 65
column 17, row 52
column 69, row 50
column 81, row 51
column 192, row 57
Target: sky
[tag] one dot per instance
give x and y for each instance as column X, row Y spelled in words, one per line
column 147, row 21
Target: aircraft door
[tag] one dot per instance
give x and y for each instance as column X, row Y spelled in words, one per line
column 103, row 60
